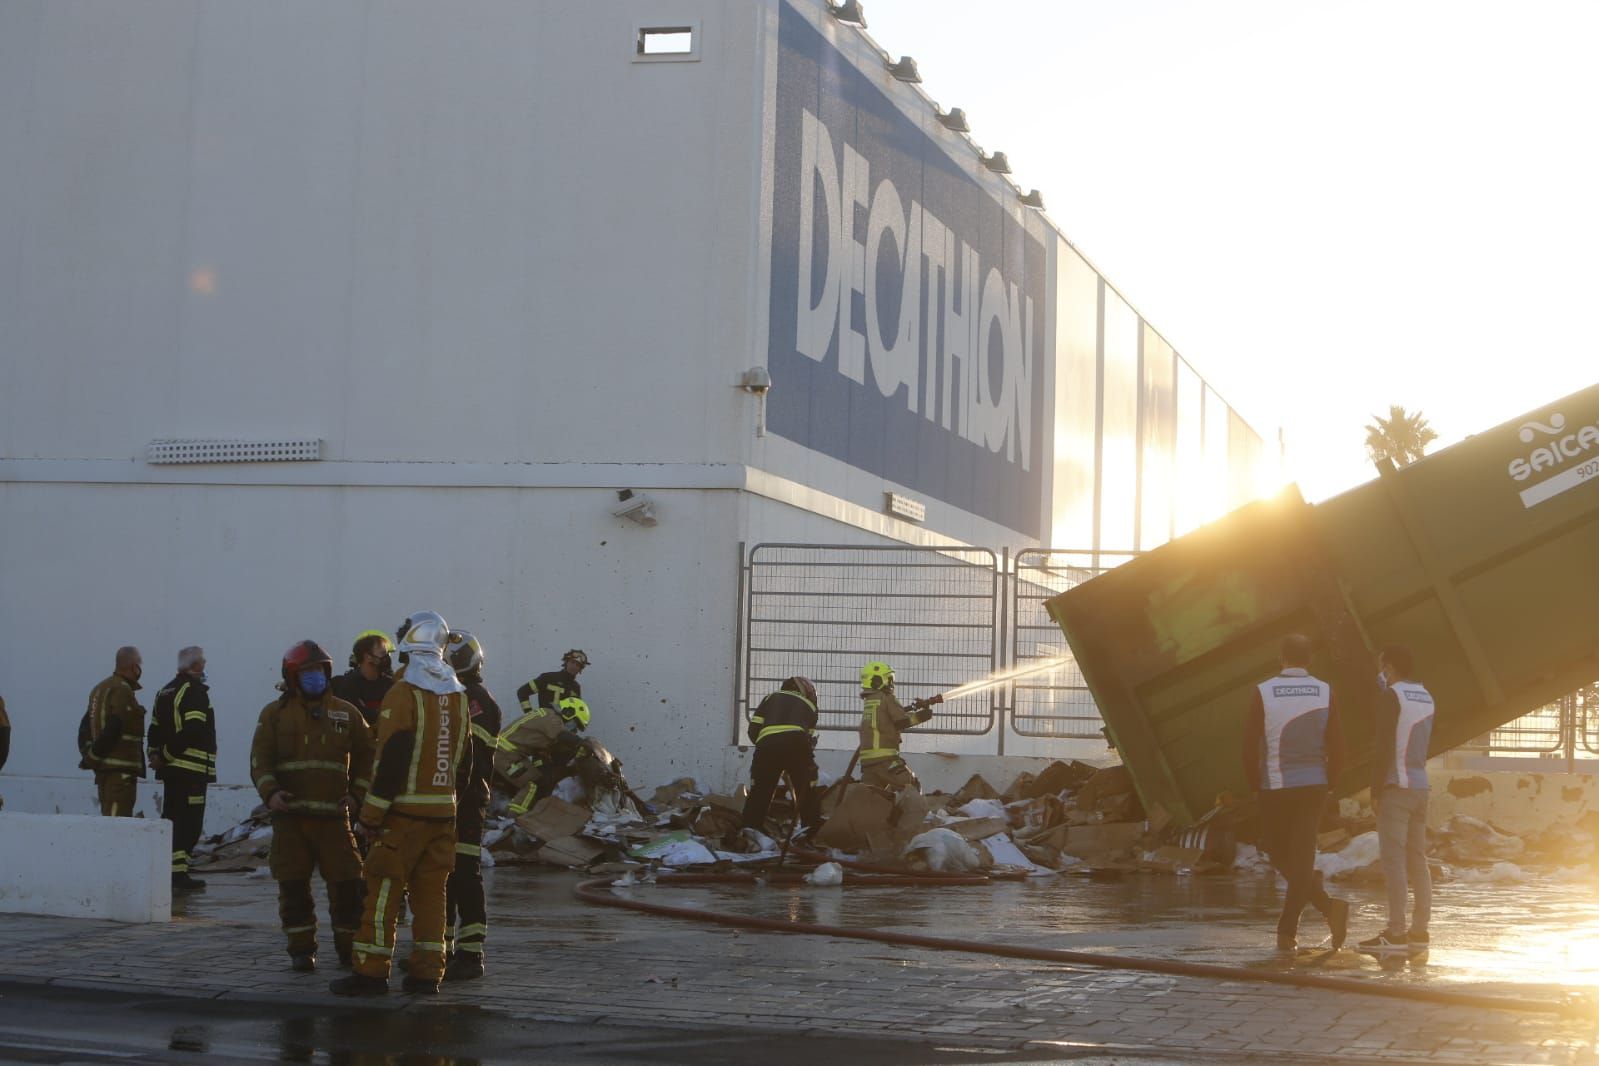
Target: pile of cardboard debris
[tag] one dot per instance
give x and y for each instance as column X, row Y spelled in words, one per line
column 1070, row 817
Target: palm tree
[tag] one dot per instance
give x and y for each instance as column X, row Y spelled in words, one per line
column 1403, row 436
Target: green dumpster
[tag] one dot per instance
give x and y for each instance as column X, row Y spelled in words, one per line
column 1483, row 558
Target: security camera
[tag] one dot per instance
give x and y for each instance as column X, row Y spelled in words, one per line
column 756, row 380
column 635, row 507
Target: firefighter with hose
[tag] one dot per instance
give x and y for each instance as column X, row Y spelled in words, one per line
column 883, row 719
column 783, row 730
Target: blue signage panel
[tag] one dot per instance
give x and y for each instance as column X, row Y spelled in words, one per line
column 907, row 305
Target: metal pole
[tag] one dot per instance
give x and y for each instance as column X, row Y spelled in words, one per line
column 738, row 646
column 998, row 705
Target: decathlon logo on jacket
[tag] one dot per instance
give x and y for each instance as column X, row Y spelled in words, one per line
column 907, row 302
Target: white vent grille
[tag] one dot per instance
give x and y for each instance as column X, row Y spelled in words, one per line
column 233, row 451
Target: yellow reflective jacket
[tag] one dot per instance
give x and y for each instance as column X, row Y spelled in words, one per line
column 524, row 742
column 423, row 742
column 116, row 727
column 883, row 719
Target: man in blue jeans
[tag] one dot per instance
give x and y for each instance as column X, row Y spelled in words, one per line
column 1293, row 751
column 1402, row 733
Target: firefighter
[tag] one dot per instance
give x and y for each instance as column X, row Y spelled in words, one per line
column 311, row 761
column 550, row 688
column 535, row 751
column 783, row 730
column 114, row 745
column 183, row 745
column 883, row 718
column 369, row 676
column 468, row 918
column 423, row 743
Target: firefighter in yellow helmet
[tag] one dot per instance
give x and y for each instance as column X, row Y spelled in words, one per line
column 423, row 744
column 311, row 761
column 883, row 719
column 535, row 750
column 369, row 677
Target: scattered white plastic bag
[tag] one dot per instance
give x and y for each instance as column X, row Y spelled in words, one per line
column 1005, row 853
column 1358, row 854
column 1251, row 858
column 944, row 850
column 1498, row 873
column 826, row 875
column 985, row 808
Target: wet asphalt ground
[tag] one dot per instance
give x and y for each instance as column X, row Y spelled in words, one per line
column 575, row 983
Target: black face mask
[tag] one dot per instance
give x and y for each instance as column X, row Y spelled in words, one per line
column 137, row 672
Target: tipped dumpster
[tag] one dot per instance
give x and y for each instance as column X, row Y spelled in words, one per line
column 1482, row 558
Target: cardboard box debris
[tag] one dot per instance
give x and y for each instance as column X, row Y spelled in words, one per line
column 978, row 828
column 1021, row 788
column 862, row 812
column 714, row 822
column 1060, row 777
column 1092, row 843
column 974, row 788
column 671, row 795
column 1111, row 781
column 553, row 818
column 570, row 851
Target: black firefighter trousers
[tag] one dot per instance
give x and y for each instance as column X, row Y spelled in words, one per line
column 789, row 752
column 183, row 804
column 468, row 924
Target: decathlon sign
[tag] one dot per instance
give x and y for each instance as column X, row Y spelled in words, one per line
column 907, row 303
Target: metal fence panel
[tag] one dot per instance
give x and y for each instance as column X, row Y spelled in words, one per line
column 1056, row 704
column 1539, row 732
column 824, row 610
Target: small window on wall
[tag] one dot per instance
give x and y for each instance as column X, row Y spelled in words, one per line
column 679, row 43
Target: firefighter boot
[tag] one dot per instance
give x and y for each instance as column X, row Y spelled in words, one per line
column 417, row 986
column 359, row 984
column 302, row 963
column 465, row 966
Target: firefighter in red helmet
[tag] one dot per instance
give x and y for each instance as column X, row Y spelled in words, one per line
column 312, row 763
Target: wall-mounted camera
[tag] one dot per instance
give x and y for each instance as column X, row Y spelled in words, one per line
column 635, row 507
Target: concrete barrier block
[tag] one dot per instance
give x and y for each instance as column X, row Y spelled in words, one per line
column 81, row 866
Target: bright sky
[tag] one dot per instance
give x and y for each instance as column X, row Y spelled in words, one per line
column 1326, row 207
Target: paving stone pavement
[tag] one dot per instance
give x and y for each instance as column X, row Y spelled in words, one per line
column 552, row 957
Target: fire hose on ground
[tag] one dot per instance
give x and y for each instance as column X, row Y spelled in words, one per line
column 598, row 892
column 866, row 875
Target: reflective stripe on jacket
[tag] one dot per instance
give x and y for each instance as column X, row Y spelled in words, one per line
column 782, row 712
column 186, row 725
column 883, row 719
column 318, row 758
column 114, row 708
column 422, row 743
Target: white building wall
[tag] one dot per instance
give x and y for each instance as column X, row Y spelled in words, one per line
column 500, row 268
column 416, row 231
column 246, row 571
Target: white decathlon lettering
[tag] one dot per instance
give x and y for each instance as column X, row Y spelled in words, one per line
column 971, row 318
